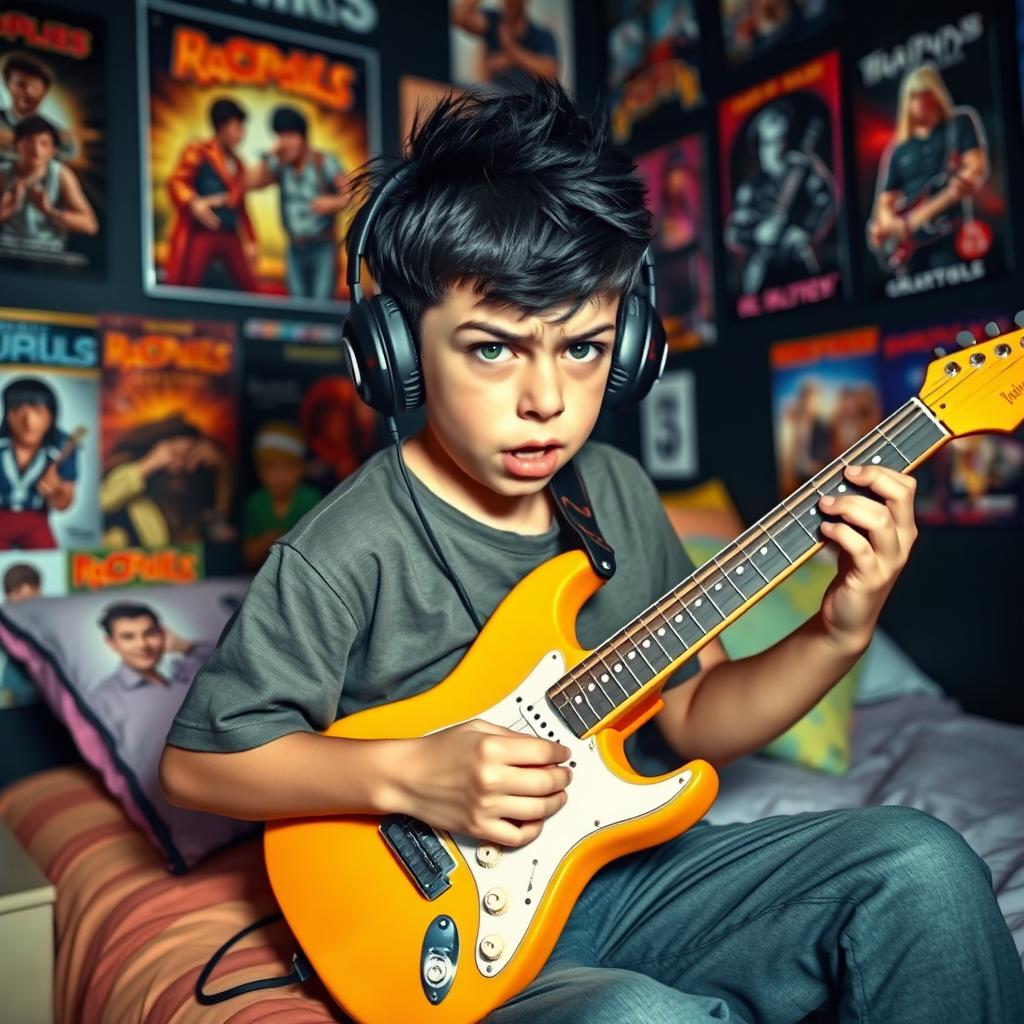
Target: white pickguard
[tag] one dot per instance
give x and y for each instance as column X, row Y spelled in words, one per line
column 598, row 798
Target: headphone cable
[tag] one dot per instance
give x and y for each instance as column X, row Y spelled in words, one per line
column 393, row 430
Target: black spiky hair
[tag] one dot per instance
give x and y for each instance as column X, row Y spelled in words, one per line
column 520, row 193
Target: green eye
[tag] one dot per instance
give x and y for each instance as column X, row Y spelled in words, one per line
column 584, row 351
column 490, row 351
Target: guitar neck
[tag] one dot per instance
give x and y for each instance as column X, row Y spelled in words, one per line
column 653, row 644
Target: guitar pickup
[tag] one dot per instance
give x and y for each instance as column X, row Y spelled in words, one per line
column 420, row 852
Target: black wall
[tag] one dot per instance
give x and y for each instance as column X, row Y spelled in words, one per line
column 958, row 603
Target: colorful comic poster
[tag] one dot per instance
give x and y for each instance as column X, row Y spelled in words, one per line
column 654, row 65
column 249, row 135
column 930, row 157
column 781, row 170
column 100, row 569
column 754, row 27
column 169, row 431
column 305, row 429
column 973, row 480
column 826, row 396
column 49, row 437
column 675, row 176
column 502, row 46
column 53, row 110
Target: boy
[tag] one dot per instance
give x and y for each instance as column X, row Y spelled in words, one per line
column 508, row 249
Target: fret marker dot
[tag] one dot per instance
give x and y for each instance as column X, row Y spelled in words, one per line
column 661, row 632
column 631, row 655
column 698, row 602
column 718, row 586
column 578, row 699
column 679, row 618
column 617, row 666
column 604, row 677
column 739, row 570
column 646, row 643
column 591, row 687
column 764, row 551
column 876, row 459
column 813, row 511
column 841, row 488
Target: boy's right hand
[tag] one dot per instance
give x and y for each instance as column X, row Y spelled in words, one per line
column 484, row 780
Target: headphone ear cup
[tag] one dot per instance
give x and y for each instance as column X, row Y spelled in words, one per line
column 381, row 356
column 405, row 372
column 639, row 353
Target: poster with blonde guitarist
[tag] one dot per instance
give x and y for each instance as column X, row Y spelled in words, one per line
column 933, row 196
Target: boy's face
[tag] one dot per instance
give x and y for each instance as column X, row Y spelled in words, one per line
column 280, row 473
column 139, row 641
column 29, row 423
column 497, row 381
column 27, row 92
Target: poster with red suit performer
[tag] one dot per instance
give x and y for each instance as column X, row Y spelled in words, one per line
column 675, row 176
column 249, row 137
column 782, row 187
column 930, row 156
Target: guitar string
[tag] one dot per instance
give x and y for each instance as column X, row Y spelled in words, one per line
column 906, row 422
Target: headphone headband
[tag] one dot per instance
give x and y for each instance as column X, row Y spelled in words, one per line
column 383, row 356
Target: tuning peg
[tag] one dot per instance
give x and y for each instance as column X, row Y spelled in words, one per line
column 992, row 329
column 1018, row 318
column 939, row 351
column 965, row 339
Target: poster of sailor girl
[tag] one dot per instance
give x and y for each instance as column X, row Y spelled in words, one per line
column 49, row 441
column 929, row 156
column 53, row 172
column 249, row 135
column 782, row 186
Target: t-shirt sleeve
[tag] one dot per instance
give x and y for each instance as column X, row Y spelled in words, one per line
column 279, row 665
column 670, row 564
column 966, row 133
column 646, row 749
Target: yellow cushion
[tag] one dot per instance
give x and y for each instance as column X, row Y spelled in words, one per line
column 706, row 521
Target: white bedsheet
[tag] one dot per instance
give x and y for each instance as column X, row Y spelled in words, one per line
column 919, row 751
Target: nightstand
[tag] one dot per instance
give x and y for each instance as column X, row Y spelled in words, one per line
column 26, row 935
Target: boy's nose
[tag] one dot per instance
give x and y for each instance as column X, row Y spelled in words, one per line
column 542, row 395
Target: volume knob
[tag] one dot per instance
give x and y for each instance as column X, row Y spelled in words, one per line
column 487, row 855
column 491, row 947
column 496, row 901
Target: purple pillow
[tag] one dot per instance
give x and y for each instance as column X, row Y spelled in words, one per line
column 114, row 667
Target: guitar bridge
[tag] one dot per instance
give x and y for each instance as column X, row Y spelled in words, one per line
column 420, row 852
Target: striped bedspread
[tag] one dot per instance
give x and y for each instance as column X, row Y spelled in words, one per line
column 131, row 939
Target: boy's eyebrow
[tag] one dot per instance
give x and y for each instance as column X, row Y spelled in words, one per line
column 499, row 332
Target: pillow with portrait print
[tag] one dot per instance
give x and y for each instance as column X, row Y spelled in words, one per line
column 114, row 667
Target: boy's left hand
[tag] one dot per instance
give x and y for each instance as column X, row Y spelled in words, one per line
column 874, row 541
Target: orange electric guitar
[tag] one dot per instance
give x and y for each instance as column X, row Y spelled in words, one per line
column 403, row 922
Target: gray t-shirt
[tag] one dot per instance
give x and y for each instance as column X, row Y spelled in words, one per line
column 352, row 609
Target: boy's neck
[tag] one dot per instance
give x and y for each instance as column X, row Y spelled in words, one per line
column 427, row 459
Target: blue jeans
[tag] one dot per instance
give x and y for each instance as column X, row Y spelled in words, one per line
column 877, row 914
column 311, row 269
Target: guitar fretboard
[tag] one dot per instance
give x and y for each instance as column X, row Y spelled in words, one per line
column 737, row 576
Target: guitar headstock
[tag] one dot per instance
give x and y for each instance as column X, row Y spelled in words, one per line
column 980, row 387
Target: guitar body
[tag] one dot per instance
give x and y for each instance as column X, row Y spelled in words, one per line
column 422, row 925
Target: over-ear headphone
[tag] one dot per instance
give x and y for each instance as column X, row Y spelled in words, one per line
column 383, row 358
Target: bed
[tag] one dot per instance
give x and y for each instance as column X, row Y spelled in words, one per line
column 131, row 938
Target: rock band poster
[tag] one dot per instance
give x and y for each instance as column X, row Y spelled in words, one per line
column 781, row 170
column 53, row 171
column 249, row 134
column 929, row 156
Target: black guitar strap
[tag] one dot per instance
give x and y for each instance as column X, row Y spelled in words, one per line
column 573, row 503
